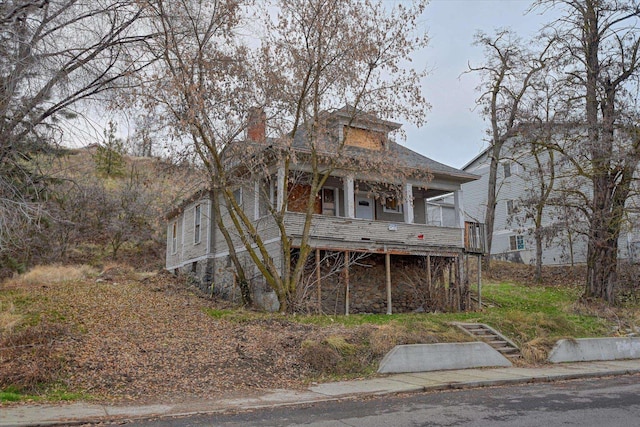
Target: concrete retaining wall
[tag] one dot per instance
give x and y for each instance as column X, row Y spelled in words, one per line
column 436, row 357
column 586, row 349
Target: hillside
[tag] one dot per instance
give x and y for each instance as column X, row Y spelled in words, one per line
column 117, row 334
column 86, row 216
column 123, row 335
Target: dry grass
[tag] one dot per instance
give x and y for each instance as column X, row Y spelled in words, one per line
column 625, row 320
column 384, row 337
column 340, row 344
column 537, row 350
column 9, row 318
column 51, row 274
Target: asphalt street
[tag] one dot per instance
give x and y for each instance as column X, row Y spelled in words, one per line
column 613, row 401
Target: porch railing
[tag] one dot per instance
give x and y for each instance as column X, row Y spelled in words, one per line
column 475, row 237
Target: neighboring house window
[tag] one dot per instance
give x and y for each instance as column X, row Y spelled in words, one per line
column 197, row 223
column 174, row 237
column 237, row 194
column 516, row 243
column 392, row 205
column 510, row 168
column 511, row 207
column 507, row 169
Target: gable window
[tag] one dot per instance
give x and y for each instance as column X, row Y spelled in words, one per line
column 363, row 138
column 516, row 243
column 511, row 207
column 174, row 237
column 391, row 205
column 197, row 221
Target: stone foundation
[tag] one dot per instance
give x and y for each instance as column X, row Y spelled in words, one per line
column 368, row 289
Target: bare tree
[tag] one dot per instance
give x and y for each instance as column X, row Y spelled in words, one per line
column 507, row 77
column 600, row 40
column 317, row 56
column 540, row 144
column 53, row 54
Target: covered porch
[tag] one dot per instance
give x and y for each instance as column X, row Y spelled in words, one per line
column 362, row 197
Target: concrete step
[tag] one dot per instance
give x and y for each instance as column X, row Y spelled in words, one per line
column 507, row 349
column 491, row 337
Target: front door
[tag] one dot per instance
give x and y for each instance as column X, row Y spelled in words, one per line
column 329, row 201
column 364, row 207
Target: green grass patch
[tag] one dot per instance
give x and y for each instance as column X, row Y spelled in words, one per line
column 238, row 315
column 12, row 394
column 218, row 314
column 55, row 393
column 522, row 313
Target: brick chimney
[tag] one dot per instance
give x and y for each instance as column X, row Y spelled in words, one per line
column 257, row 125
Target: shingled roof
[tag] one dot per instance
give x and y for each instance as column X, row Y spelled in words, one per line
column 402, row 156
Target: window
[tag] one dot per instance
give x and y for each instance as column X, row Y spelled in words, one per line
column 516, row 243
column 510, row 168
column 507, row 169
column 237, row 194
column 329, row 199
column 174, row 238
column 197, row 222
column 511, row 207
column 391, row 205
column 434, row 214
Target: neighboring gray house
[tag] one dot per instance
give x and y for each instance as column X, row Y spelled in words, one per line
column 351, row 213
column 518, row 181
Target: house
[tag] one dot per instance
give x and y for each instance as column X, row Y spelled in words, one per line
column 519, row 178
column 364, row 209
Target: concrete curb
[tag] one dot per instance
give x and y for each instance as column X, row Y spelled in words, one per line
column 592, row 349
column 442, row 356
column 79, row 413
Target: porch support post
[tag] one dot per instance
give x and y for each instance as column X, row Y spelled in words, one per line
column 459, row 215
column 256, row 198
column 318, row 277
column 280, row 188
column 458, row 279
column 480, row 282
column 387, row 262
column 408, row 204
column 349, row 198
column 459, row 207
column 347, row 295
column 429, row 274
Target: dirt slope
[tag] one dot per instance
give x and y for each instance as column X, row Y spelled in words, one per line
column 151, row 338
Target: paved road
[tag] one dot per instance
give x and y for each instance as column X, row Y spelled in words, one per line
column 602, row 402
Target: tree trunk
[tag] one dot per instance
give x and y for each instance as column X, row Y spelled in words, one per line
column 538, row 273
column 601, row 261
column 490, row 213
column 602, row 247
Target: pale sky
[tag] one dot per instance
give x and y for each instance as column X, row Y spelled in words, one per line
column 454, row 134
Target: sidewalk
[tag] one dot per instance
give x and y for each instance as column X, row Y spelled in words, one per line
column 78, row 413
